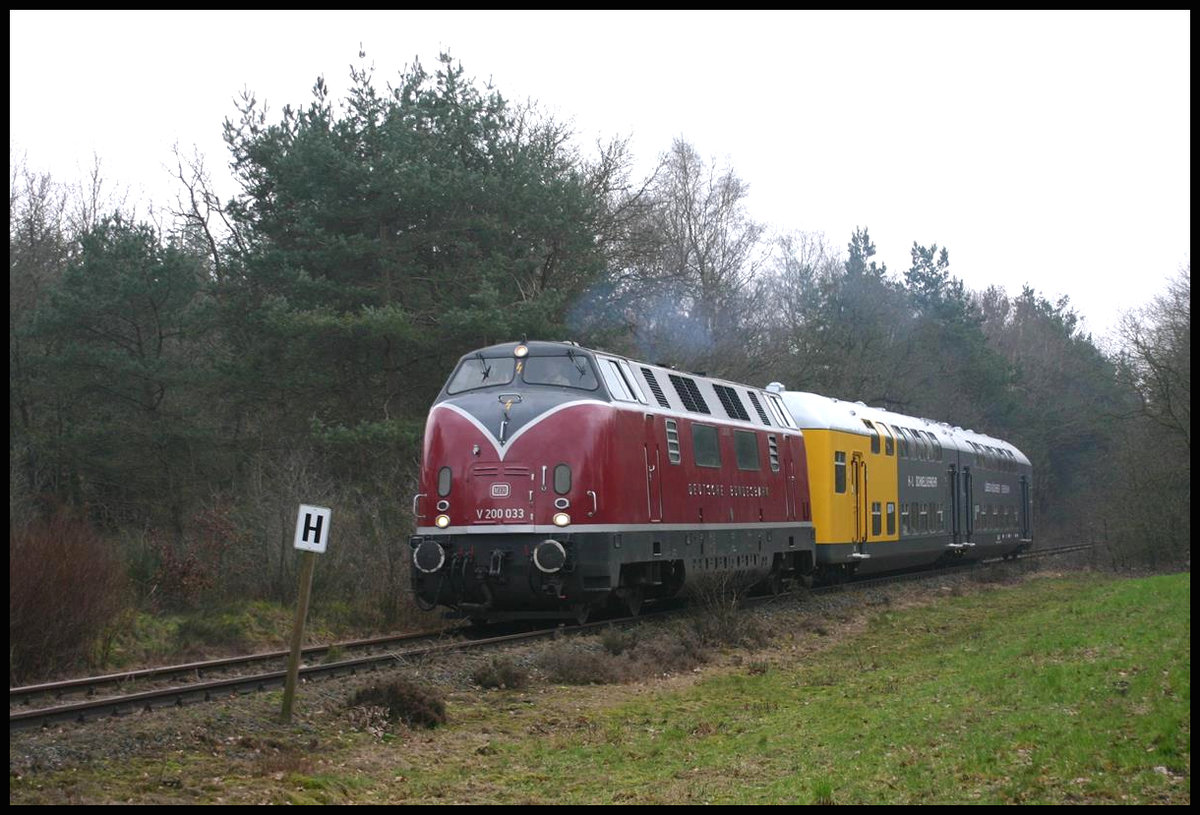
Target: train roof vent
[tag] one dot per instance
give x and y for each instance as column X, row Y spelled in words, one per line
column 655, row 388
column 689, row 394
column 762, row 414
column 731, row 402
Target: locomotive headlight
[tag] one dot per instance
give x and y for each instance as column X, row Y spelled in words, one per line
column 520, row 351
column 561, row 519
column 442, row 521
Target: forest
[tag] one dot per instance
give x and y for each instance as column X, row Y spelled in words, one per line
column 180, row 383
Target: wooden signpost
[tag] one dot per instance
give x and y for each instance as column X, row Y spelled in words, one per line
column 312, row 534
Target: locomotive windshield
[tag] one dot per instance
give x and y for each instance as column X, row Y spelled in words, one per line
column 571, row 370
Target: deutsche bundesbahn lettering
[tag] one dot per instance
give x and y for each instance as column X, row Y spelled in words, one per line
column 731, row 490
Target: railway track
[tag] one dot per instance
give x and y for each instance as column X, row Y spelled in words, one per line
column 80, row 699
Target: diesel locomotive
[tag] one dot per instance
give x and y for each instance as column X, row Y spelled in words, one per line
column 557, row 480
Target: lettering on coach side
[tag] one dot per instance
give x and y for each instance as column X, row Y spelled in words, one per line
column 922, row 481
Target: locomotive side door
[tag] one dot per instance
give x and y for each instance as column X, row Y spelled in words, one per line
column 791, row 494
column 653, row 461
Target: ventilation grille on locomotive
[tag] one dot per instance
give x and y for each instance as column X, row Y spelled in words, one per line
column 732, row 403
column 655, row 388
column 689, row 394
column 762, row 414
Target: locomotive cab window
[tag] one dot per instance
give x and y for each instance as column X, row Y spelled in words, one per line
column 782, row 417
column 705, row 446
column 620, row 381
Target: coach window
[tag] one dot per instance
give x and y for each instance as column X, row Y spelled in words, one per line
column 891, row 518
column 874, row 435
column 705, row 446
column 745, row 445
column 672, row 441
column 922, row 445
column 937, row 446
column 839, row 472
column 889, row 446
column 876, row 518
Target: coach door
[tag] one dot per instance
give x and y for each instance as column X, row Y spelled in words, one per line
column 955, row 502
column 1024, row 521
column 858, row 482
column 653, row 459
column 968, row 504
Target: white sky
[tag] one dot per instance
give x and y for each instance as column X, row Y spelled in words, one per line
column 1048, row 148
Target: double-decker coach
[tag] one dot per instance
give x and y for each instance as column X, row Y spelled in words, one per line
column 891, row 491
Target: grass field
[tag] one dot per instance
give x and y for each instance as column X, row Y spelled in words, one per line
column 1056, row 690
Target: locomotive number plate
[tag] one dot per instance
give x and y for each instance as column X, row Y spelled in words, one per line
column 501, row 514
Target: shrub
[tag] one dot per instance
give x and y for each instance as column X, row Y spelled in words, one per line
column 65, row 589
column 405, row 701
column 674, row 650
column 500, row 672
column 717, row 616
column 615, row 640
column 573, row 663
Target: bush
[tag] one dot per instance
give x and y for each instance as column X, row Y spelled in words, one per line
column 500, row 672
column 717, row 616
column 675, row 650
column 405, row 701
column 573, row 663
column 615, row 640
column 66, row 589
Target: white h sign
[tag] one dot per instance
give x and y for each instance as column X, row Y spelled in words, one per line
column 312, row 528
